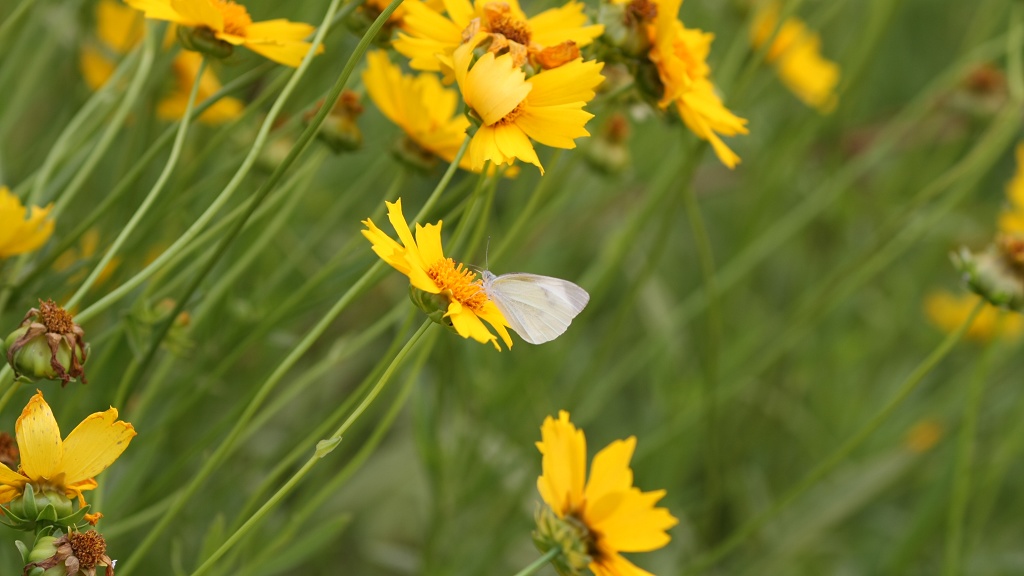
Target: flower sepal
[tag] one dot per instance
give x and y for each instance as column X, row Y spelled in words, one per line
column 568, row 535
column 201, row 39
column 435, row 306
column 993, row 276
column 33, row 511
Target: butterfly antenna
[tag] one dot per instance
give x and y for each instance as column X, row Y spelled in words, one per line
column 487, row 250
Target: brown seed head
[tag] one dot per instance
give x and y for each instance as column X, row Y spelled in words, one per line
column 9, row 455
column 89, row 547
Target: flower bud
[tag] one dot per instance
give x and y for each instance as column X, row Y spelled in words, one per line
column 567, row 534
column 993, row 274
column 340, row 131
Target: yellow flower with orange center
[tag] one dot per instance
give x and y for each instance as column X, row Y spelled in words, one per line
column 18, row 233
column 423, row 261
column 796, row 54
column 616, row 515
column 427, row 33
column 419, row 105
column 680, row 54
column 512, row 110
column 279, row 40
column 66, row 466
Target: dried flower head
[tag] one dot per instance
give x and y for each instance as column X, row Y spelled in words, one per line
column 48, row 331
column 79, row 552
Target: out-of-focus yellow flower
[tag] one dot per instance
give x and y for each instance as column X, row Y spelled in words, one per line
column 616, row 515
column 796, row 54
column 680, row 55
column 376, row 7
column 423, row 261
column 230, row 24
column 428, row 34
column 185, row 67
column 949, row 312
column 118, row 29
column 19, row 234
column 1011, row 221
column 923, row 436
column 86, row 250
column 419, row 105
column 68, row 466
column 511, row 109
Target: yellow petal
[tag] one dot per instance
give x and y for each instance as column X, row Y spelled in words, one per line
column 630, row 521
column 39, row 440
column 564, row 464
column 118, row 26
column 468, row 325
column 279, row 30
column 556, row 25
column 428, row 239
column 384, row 246
column 493, row 87
column 159, row 10
column 199, row 13
column 95, row 444
column 615, row 565
column 286, row 53
column 610, row 471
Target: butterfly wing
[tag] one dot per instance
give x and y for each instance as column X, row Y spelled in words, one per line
column 539, row 308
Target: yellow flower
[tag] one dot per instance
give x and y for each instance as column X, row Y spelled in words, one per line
column 279, row 40
column 18, row 234
column 67, row 466
column 617, row 516
column 948, row 312
column 86, row 249
column 796, row 53
column 420, row 105
column 1011, row 221
column 428, row 34
column 185, row 67
column 423, row 261
column 547, row 107
column 680, row 55
column 118, row 29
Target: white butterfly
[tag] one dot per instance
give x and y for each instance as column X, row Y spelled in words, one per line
column 539, row 308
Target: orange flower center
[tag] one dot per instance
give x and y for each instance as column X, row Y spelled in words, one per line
column 511, row 116
column 500, row 21
column 459, row 282
column 89, row 547
column 56, row 319
column 236, row 17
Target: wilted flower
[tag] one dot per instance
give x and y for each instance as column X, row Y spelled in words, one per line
column 62, row 468
column 48, row 344
column 448, row 292
column 605, row 514
column 78, row 553
column 19, row 234
column 796, row 53
column 512, row 109
column 219, row 25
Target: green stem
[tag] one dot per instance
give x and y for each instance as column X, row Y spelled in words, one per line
column 1014, row 58
column 154, row 192
column 964, row 464
column 539, row 562
column 841, row 454
column 318, row 454
column 12, row 22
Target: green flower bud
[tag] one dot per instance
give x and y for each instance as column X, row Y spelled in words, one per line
column 47, row 344
column 32, row 359
column 993, row 275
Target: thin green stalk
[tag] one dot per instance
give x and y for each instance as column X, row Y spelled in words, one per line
column 147, row 203
column 13, row 22
column 841, row 454
column 324, row 448
column 539, row 194
column 965, row 464
column 1014, row 58
column 706, row 257
column 539, row 563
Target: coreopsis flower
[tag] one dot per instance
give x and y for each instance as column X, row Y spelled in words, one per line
column 419, row 105
column 948, row 312
column 513, row 109
column 219, row 25
column 118, row 30
column 427, row 33
column 454, row 295
column 62, row 468
column 47, row 344
column 796, row 54
column 185, row 67
column 20, row 234
column 77, row 553
column 605, row 513
column 680, row 55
